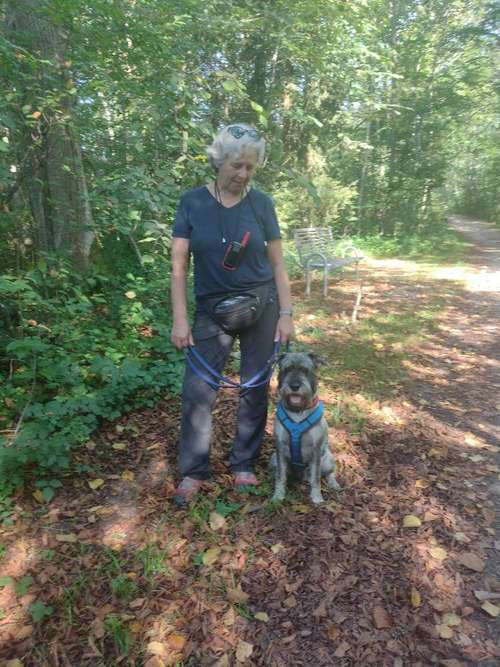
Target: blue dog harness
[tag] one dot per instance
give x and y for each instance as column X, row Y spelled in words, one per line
column 296, row 429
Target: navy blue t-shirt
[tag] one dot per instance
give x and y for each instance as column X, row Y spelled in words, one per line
column 210, row 227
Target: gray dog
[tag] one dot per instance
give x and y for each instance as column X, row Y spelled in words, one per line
column 300, row 429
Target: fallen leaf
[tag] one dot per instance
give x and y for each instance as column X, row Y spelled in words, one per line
column 67, row 537
column 486, row 595
column 13, row 663
column 472, row 561
column 381, row 618
column 157, row 648
column 210, row 556
column 130, row 294
column 229, row 617
column 276, row 548
column 461, row 537
column 342, row 649
column 137, row 603
column 438, row 605
column 444, row 631
column 95, row 483
column 135, row 627
column 301, row 509
column 438, row 553
column 237, row 595
column 38, row 496
column 261, row 616
column 97, row 628
column 223, row 661
column 411, row 521
column 451, row 619
column 320, row 610
column 154, row 661
column 128, row 475
column 23, row 632
column 119, row 445
column 491, row 609
column 176, row 642
column 416, row 598
column 216, row 521
column 36, row 114
column 243, row 651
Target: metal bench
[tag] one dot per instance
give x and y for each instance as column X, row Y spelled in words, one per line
column 318, row 250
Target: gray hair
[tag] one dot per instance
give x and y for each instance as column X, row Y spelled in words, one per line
column 226, row 145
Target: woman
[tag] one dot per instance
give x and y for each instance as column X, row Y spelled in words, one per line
column 232, row 232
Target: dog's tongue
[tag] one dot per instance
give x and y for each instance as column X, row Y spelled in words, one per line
column 295, row 399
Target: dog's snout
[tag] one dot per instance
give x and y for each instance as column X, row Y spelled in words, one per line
column 295, row 386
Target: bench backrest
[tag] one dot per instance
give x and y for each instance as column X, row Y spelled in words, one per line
column 313, row 239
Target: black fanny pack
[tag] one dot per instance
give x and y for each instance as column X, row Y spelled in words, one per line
column 236, row 312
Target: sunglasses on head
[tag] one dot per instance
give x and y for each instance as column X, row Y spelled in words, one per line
column 237, row 132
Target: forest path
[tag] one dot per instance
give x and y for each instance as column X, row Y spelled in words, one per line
column 393, row 573
column 485, row 237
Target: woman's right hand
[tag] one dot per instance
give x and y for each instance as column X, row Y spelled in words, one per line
column 181, row 336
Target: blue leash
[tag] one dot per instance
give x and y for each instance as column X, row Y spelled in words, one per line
column 216, row 380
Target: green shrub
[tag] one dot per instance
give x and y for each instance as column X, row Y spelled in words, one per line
column 75, row 350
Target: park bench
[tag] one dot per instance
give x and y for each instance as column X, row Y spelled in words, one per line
column 317, row 250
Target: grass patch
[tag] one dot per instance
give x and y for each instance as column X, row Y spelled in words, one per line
column 118, row 632
column 153, row 560
column 123, row 587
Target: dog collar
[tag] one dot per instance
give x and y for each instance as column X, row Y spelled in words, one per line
column 296, row 429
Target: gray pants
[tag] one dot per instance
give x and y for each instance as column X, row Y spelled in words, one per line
column 256, row 345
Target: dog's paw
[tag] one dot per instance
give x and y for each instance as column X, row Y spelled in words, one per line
column 316, row 498
column 332, row 483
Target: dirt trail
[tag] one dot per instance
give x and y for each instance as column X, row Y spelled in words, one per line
column 485, row 237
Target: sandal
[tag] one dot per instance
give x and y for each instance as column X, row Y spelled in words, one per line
column 245, row 481
column 186, row 491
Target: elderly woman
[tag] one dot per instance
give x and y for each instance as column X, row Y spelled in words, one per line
column 232, row 232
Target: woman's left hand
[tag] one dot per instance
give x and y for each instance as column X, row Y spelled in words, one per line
column 285, row 329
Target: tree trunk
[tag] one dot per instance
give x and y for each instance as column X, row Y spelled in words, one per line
column 54, row 175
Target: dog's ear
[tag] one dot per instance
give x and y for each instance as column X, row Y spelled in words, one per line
column 281, row 357
column 318, row 360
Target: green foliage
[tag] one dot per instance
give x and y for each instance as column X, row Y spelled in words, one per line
column 22, row 586
column 39, row 611
column 319, row 202
column 83, row 349
column 440, row 244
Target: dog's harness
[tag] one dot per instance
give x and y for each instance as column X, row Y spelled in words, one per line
column 296, row 429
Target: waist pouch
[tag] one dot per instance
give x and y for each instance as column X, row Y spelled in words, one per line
column 238, row 311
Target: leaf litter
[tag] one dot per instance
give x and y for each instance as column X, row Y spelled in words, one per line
column 395, row 569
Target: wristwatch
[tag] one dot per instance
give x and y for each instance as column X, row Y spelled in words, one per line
column 286, row 311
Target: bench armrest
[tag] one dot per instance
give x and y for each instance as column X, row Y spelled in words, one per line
column 351, row 251
column 315, row 256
